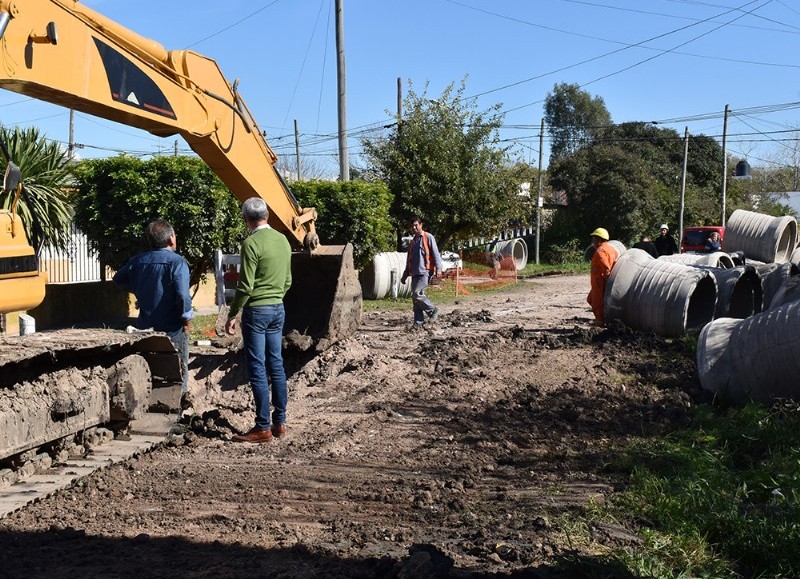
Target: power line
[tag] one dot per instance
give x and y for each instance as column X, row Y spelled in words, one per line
column 218, row 32
column 625, row 47
column 649, row 13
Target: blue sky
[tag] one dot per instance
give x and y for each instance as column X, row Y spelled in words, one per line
column 678, row 62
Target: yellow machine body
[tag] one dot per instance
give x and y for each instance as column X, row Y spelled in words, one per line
column 21, row 283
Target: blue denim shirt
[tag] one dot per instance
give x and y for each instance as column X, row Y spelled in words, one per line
column 160, row 281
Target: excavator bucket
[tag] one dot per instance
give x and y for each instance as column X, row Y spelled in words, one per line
column 323, row 305
column 324, row 302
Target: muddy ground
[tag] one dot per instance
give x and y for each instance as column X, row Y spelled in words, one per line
column 462, row 451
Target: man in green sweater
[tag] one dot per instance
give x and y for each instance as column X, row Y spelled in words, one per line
column 264, row 278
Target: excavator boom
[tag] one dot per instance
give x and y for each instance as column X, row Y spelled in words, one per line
column 65, row 53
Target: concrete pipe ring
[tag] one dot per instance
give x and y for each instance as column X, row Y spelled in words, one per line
column 381, row 277
column 670, row 299
column 761, row 237
column 752, row 359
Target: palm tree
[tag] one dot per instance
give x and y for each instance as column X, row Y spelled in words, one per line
column 44, row 207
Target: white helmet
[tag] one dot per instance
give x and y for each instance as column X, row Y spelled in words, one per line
column 664, row 226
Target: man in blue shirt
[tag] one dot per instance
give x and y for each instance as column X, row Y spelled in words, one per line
column 159, row 279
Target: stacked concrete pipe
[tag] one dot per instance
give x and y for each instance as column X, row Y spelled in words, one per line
column 670, row 299
column 795, row 259
column 773, row 277
column 788, row 292
column 761, row 237
column 739, row 292
column 753, row 359
column 715, row 259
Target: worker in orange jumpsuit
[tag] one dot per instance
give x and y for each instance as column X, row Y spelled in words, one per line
column 603, row 260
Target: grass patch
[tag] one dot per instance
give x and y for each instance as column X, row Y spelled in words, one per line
column 203, row 328
column 722, row 497
column 543, row 269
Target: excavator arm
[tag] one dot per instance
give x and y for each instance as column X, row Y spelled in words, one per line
column 65, row 53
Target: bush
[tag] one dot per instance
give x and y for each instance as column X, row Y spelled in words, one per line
column 116, row 198
column 354, row 212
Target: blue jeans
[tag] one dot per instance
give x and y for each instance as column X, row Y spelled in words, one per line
column 262, row 330
column 180, row 340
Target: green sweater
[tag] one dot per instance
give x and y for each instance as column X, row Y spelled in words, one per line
column 265, row 271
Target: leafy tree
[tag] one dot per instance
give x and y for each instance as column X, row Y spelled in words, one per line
column 44, row 208
column 350, row 212
column 628, row 182
column 444, row 163
column 574, row 118
column 117, row 197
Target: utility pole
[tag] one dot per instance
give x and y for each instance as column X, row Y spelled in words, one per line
column 724, row 163
column 344, row 164
column 539, row 199
column 71, row 146
column 683, row 182
column 399, row 101
column 176, row 148
column 297, row 149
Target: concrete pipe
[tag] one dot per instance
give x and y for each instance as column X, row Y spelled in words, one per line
column 739, row 293
column 773, row 276
column 515, row 249
column 618, row 245
column 788, row 292
column 795, row 259
column 670, row 299
column 378, row 277
column 752, row 359
column 716, row 259
column 761, row 237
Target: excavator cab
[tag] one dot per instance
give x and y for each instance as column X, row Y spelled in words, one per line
column 21, row 283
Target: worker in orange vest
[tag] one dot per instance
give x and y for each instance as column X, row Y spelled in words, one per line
column 603, row 260
column 422, row 263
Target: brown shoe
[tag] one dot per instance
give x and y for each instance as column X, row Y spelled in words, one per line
column 254, row 435
column 278, row 430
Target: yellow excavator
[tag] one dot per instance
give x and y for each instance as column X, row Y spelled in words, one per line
column 68, row 54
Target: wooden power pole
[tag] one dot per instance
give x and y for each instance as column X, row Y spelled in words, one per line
column 344, row 163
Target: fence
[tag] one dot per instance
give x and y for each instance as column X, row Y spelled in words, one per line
column 76, row 263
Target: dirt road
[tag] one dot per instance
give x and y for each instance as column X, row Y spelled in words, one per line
column 463, row 451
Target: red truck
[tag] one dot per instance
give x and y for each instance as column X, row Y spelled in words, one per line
column 695, row 238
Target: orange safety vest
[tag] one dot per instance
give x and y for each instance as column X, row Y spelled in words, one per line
column 426, row 251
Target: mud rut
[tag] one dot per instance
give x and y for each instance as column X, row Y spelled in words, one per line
column 455, row 452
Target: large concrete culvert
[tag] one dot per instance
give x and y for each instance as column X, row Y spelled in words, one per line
column 669, row 299
column 761, row 237
column 753, row 359
column 383, row 273
column 773, row 277
column 715, row 259
column 514, row 249
column 739, row 293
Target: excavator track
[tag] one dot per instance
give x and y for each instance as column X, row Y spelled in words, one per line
column 59, row 390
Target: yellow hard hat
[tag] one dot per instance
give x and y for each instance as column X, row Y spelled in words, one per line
column 600, row 232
